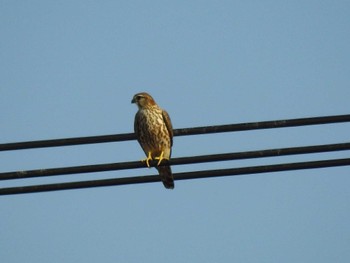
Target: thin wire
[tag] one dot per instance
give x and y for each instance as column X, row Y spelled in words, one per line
column 178, row 176
column 176, row 161
column 178, row 132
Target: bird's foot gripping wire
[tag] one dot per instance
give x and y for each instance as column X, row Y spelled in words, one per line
column 149, row 158
column 160, row 158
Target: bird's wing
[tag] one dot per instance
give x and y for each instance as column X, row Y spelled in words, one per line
column 168, row 125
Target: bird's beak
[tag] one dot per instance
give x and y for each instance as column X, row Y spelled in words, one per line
column 133, row 100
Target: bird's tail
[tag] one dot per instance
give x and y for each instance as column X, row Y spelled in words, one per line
column 166, row 176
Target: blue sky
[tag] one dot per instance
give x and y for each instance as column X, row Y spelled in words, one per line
column 70, row 68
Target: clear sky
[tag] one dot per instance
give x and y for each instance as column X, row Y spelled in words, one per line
column 70, row 68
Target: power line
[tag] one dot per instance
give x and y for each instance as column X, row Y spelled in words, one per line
column 177, row 176
column 176, row 161
column 178, row 132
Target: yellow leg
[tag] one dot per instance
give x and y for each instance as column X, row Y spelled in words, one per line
column 149, row 158
column 160, row 158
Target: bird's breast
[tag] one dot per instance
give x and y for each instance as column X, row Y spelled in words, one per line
column 152, row 131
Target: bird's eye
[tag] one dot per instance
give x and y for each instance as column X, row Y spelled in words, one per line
column 138, row 97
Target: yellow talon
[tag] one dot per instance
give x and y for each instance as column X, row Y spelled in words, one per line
column 149, row 158
column 160, row 158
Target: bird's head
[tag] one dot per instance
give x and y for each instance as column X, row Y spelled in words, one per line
column 143, row 100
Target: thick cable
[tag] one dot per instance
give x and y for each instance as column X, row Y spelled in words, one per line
column 178, row 132
column 175, row 161
column 178, row 176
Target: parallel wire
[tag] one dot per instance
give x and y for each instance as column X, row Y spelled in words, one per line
column 178, row 132
column 177, row 176
column 176, row 161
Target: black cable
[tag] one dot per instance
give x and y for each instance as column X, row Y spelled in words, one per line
column 67, row 142
column 178, row 176
column 176, row 161
column 178, row 132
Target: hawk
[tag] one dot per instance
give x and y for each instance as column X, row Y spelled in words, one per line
column 154, row 132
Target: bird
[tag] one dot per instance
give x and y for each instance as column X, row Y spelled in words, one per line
column 154, row 133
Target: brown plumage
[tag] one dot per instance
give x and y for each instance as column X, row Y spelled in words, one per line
column 154, row 132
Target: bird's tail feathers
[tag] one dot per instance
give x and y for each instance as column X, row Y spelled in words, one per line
column 166, row 176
